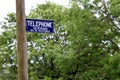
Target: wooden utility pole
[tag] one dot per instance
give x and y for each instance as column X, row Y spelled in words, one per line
column 21, row 41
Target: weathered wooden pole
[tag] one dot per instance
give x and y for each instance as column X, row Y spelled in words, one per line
column 21, row 41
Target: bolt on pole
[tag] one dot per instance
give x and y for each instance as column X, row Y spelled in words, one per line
column 21, row 41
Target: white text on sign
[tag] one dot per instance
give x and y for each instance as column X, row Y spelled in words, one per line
column 39, row 24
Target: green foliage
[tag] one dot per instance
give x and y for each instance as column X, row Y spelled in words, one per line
column 115, row 7
column 112, row 67
column 79, row 49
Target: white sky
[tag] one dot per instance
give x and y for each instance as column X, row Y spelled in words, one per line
column 7, row 6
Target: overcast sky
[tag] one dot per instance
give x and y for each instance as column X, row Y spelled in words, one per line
column 7, row 6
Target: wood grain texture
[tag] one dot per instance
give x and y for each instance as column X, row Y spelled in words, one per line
column 21, row 41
